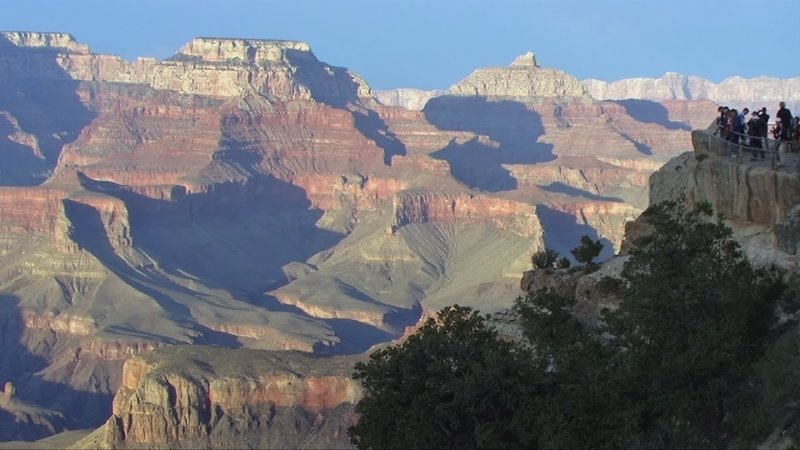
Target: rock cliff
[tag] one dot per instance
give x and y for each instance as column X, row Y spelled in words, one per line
column 523, row 79
column 760, row 202
column 243, row 193
column 408, row 98
column 185, row 397
column 757, row 200
column 205, row 66
column 735, row 91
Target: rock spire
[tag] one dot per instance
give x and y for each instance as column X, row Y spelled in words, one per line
column 527, row 59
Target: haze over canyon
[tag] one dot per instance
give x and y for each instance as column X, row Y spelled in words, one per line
column 245, row 195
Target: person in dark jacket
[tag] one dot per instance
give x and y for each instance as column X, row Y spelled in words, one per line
column 786, row 117
column 735, row 127
column 722, row 122
column 755, row 132
column 743, row 117
column 765, row 126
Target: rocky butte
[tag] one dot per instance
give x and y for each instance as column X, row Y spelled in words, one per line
column 246, row 195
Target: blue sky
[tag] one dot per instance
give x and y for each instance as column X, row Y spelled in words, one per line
column 431, row 44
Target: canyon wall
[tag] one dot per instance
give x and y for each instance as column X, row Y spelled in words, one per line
column 185, row 397
column 407, row 98
column 242, row 193
column 736, row 92
column 757, row 200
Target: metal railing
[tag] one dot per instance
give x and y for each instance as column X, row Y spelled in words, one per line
column 721, row 146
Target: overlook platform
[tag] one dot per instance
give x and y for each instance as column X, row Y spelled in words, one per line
column 756, row 198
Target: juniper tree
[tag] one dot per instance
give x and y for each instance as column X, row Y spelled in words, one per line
column 453, row 384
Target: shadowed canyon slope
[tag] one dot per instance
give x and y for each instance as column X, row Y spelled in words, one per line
column 243, row 193
column 193, row 396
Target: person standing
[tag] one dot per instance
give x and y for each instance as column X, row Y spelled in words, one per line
column 779, row 132
column 762, row 114
column 783, row 119
column 755, row 132
column 735, row 128
column 722, row 123
column 743, row 119
column 786, row 118
column 796, row 128
column 764, row 119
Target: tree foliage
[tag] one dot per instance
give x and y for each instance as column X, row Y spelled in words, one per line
column 666, row 369
column 587, row 251
column 563, row 263
column 544, row 259
column 547, row 321
column 688, row 325
column 453, row 384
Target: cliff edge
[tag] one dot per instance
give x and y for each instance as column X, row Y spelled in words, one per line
column 760, row 203
column 208, row 397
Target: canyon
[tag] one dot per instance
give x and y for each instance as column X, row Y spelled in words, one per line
column 221, row 234
column 189, row 396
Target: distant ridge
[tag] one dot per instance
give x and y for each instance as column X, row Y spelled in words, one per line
column 735, row 91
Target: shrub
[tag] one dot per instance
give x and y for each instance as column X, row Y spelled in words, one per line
column 587, row 251
column 544, row 259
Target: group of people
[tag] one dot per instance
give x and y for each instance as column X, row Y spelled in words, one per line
column 752, row 130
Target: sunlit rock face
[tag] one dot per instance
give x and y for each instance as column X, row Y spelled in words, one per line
column 407, row 98
column 186, row 397
column 523, row 78
column 243, row 193
column 737, row 92
column 758, row 201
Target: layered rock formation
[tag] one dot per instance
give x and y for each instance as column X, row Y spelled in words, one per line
column 408, row 98
column 188, row 397
column 735, row 91
column 523, row 79
column 243, row 193
column 758, row 201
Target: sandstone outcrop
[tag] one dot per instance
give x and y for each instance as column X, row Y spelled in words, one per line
column 206, row 66
column 523, row 79
column 442, row 207
column 757, row 200
column 584, row 287
column 184, row 397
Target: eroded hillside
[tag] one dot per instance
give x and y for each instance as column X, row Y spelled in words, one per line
column 243, row 193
